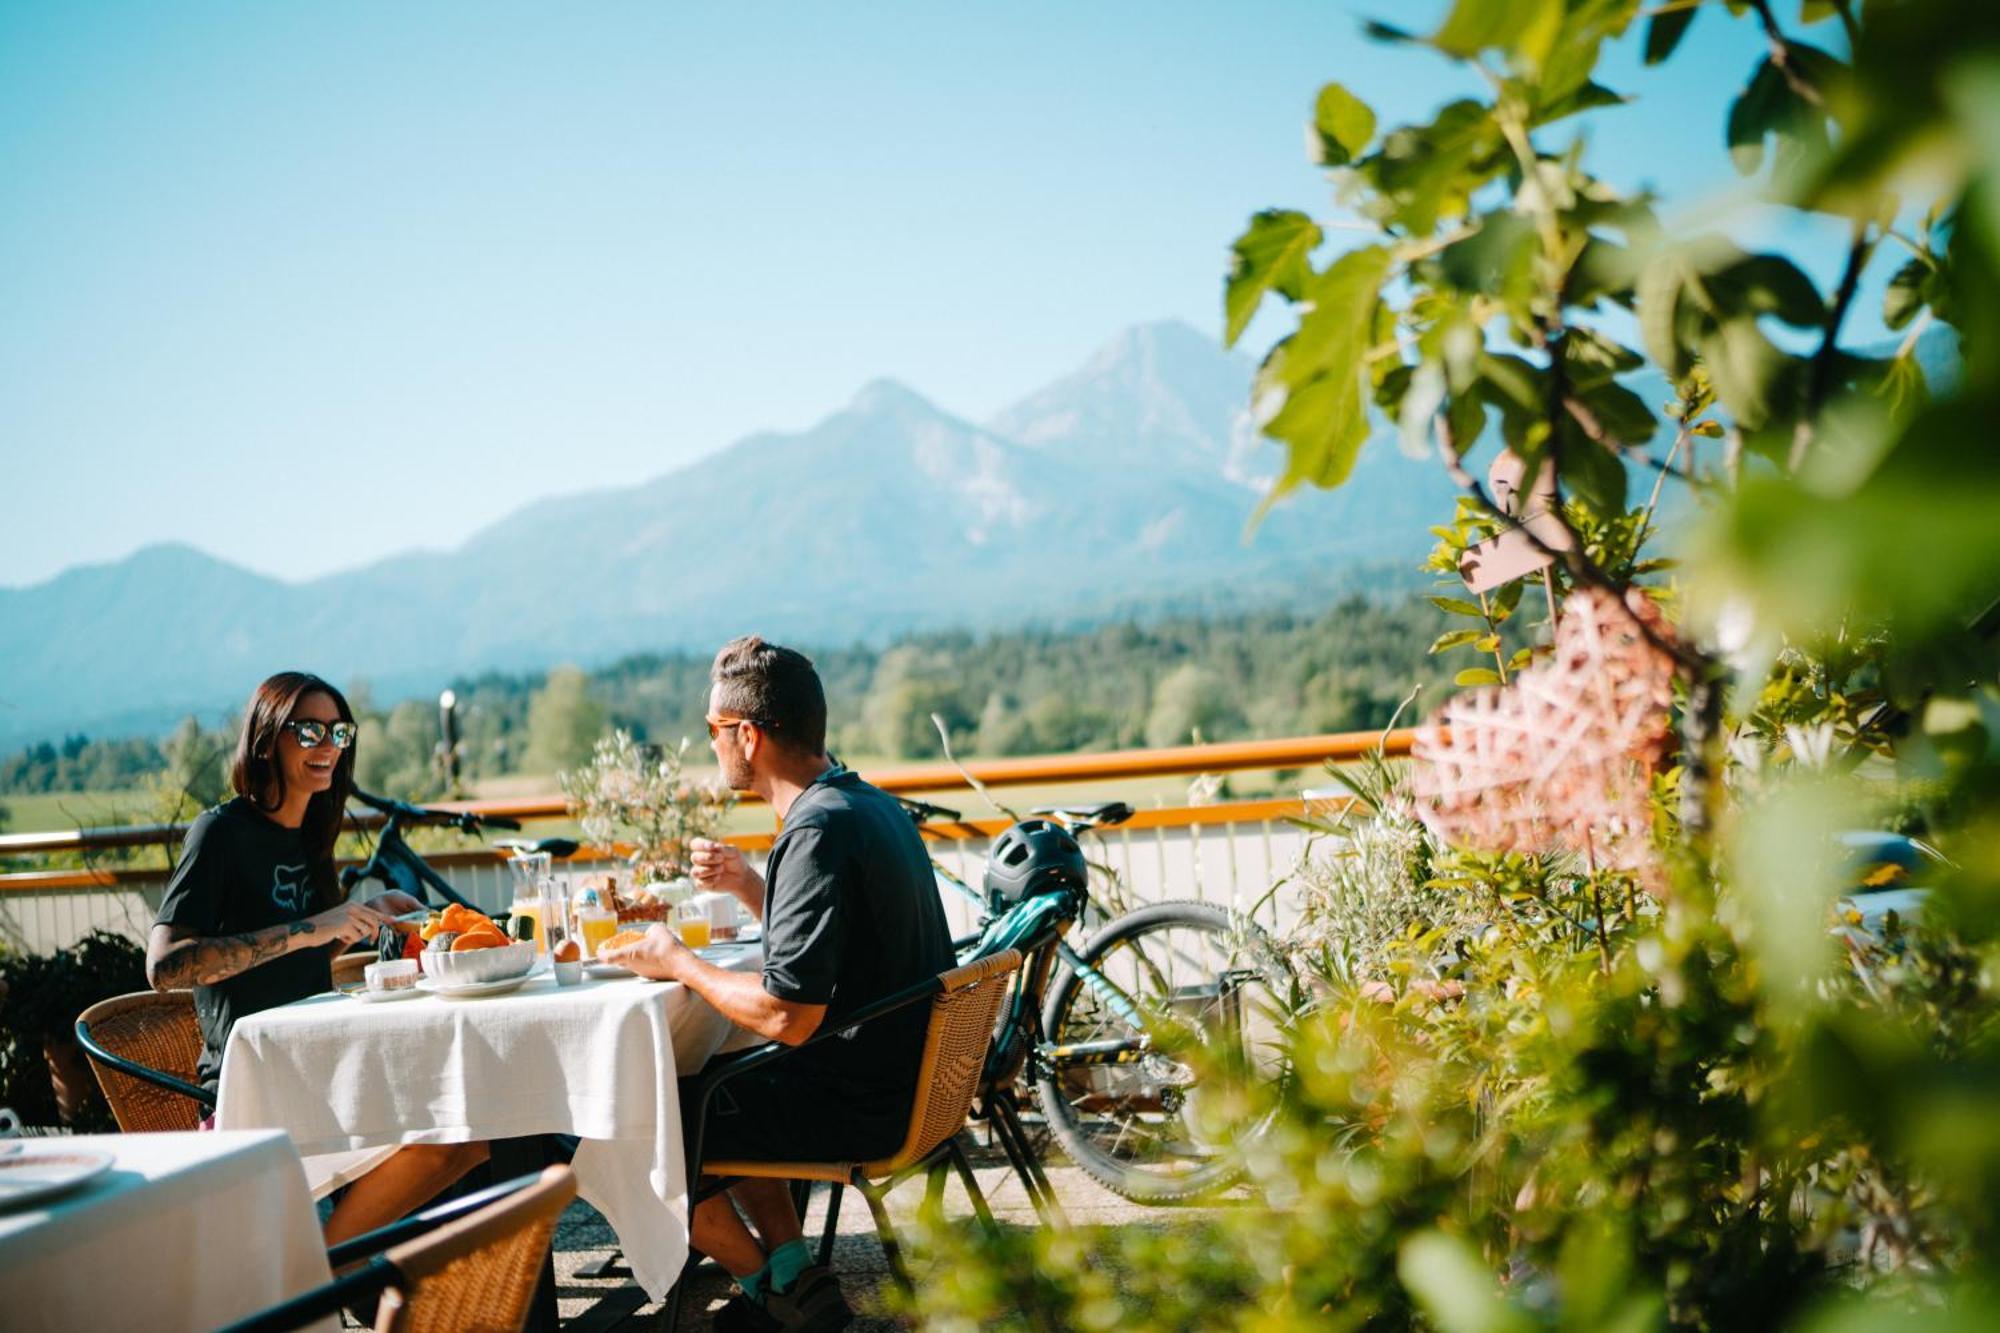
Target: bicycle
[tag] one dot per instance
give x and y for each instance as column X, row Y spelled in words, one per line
column 1101, row 1041
column 397, row 865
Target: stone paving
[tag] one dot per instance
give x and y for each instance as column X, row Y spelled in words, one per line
column 584, row 1237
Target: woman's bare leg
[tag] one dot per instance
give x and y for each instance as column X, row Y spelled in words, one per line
column 413, row 1177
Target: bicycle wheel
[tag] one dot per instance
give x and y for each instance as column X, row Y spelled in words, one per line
column 1125, row 1108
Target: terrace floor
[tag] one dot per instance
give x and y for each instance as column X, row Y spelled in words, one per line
column 612, row 1301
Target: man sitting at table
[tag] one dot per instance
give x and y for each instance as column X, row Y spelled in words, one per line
column 851, row 914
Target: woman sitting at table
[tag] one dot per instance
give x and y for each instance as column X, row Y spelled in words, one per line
column 254, row 913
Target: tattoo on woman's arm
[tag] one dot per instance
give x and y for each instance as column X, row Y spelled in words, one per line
column 204, row 962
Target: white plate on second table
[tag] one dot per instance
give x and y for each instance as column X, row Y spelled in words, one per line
column 36, row 1173
column 476, row 989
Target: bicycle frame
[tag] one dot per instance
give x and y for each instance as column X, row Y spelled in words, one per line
column 1026, row 1006
column 398, row 866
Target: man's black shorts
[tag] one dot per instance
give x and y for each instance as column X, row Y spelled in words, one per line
column 784, row 1113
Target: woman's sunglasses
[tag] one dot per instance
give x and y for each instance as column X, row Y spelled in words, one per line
column 310, row 733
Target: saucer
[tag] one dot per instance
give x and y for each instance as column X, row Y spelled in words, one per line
column 607, row 971
column 476, row 989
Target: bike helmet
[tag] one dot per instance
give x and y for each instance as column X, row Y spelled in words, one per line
column 1033, row 857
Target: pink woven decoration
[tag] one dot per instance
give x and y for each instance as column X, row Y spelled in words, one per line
column 1562, row 756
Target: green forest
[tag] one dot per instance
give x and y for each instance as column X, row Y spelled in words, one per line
column 1028, row 691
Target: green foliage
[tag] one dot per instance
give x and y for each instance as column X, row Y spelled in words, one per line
column 564, row 722
column 396, row 754
column 40, row 998
column 1530, row 1095
column 639, row 792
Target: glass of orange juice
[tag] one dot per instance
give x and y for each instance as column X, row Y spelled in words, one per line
column 691, row 924
column 595, row 925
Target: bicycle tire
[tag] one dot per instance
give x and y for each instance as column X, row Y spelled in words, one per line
column 1102, row 1115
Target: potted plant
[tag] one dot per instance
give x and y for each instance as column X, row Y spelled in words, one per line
column 640, row 794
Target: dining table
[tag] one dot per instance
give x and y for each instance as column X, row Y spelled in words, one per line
column 351, row 1078
column 162, row 1231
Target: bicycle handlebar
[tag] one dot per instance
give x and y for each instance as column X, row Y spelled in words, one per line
column 465, row 821
column 921, row 811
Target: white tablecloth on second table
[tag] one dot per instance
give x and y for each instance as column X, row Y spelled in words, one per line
column 597, row 1060
column 185, row 1231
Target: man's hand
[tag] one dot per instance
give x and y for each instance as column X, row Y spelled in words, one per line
column 659, row 956
column 394, row 903
column 718, row 865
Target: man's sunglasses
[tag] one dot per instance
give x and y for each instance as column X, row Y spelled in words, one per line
column 716, row 724
column 311, row 733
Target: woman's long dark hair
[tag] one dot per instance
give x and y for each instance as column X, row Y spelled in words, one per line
column 257, row 775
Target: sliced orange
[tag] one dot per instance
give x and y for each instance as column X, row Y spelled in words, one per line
column 479, row 939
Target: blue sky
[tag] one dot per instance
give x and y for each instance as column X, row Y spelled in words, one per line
column 307, row 284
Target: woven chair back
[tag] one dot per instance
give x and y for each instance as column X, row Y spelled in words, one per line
column 156, row 1029
column 480, row 1271
column 961, row 1028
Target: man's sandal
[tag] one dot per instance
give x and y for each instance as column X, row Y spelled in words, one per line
column 812, row 1304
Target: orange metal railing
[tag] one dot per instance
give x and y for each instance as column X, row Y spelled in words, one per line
column 1230, row 756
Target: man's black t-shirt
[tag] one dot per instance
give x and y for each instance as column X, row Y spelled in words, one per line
column 851, row 914
column 240, row 872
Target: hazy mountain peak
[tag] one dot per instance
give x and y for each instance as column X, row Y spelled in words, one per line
column 1107, row 489
column 884, row 397
column 1159, row 394
column 1145, row 348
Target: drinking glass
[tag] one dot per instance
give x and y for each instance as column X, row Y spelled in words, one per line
column 691, row 924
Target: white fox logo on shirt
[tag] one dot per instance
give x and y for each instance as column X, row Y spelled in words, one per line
column 288, row 888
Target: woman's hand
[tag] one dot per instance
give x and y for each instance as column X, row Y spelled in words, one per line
column 718, row 865
column 394, row 903
column 658, row 956
column 347, row 924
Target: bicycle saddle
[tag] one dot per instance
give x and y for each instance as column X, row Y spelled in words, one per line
column 1100, row 815
column 559, row 848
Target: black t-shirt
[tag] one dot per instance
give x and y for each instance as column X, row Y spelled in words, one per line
column 240, row 872
column 851, row 914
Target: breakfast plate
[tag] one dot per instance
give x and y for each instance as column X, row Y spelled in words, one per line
column 607, row 971
column 35, row 1173
column 475, row 989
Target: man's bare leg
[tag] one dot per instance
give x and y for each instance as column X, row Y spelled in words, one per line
column 413, row 1177
column 719, row 1233
column 769, row 1206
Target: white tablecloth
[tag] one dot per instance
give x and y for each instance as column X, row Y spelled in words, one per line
column 596, row 1060
column 186, row 1231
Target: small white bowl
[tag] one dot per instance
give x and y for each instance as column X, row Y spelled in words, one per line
column 473, row 965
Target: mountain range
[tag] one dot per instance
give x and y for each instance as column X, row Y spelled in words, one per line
column 1127, row 486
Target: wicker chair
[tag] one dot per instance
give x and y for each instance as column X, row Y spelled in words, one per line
column 144, row 1048
column 477, row 1272
column 964, row 1004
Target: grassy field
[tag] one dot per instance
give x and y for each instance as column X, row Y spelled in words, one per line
column 49, row 811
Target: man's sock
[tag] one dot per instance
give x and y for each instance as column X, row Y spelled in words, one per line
column 787, row 1262
column 753, row 1285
